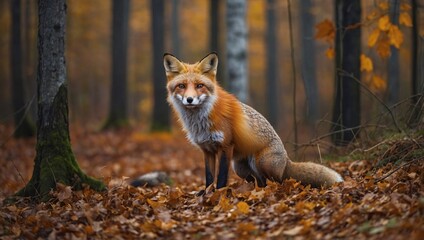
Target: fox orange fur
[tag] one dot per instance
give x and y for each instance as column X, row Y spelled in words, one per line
column 226, row 130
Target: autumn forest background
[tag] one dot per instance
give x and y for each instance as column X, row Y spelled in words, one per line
column 358, row 109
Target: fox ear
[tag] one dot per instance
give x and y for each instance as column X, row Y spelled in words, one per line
column 209, row 64
column 172, row 65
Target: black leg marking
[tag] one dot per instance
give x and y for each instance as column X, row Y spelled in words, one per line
column 208, row 174
column 223, row 172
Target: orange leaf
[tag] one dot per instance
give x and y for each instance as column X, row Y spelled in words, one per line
column 243, row 207
column 395, row 36
column 372, row 39
column 383, row 5
column 325, row 30
column 330, row 53
column 405, row 19
column 373, row 14
column 405, row 7
column 383, row 47
column 384, row 23
column 378, row 83
column 366, row 63
column 244, row 228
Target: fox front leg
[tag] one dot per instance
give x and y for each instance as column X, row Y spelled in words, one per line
column 209, row 159
column 224, row 165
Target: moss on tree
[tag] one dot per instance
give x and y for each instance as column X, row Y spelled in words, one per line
column 55, row 161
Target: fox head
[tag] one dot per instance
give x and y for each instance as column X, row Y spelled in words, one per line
column 191, row 86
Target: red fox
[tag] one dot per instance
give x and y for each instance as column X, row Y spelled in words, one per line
column 226, row 130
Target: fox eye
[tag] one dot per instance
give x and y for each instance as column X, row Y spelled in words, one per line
column 181, row 86
column 199, row 85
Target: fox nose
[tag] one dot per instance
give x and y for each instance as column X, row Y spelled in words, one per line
column 189, row 99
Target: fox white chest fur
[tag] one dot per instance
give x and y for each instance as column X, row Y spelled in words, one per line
column 196, row 122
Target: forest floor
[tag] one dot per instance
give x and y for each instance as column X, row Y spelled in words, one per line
column 379, row 198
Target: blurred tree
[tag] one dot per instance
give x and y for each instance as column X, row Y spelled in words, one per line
column 347, row 111
column 214, row 36
column 308, row 61
column 393, row 68
column 161, row 116
column 54, row 160
column 24, row 127
column 417, row 65
column 237, row 71
column 175, row 29
column 271, row 64
column 118, row 113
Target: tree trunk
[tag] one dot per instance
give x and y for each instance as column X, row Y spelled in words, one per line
column 214, row 37
column 54, row 161
column 118, row 113
column 271, row 64
column 175, row 29
column 393, row 76
column 24, row 127
column 161, row 115
column 346, row 113
column 417, row 67
column 308, row 61
column 237, row 49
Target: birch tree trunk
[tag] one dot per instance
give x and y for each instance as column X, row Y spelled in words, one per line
column 54, row 161
column 237, row 49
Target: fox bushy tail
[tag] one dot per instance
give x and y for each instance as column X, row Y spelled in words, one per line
column 311, row 173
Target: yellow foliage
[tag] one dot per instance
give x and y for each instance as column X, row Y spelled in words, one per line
column 372, row 15
column 366, row 63
column 372, row 39
column 384, row 23
column 405, row 19
column 383, row 47
column 325, row 31
column 330, row 53
column 378, row 83
column 383, row 5
column 395, row 36
column 405, row 7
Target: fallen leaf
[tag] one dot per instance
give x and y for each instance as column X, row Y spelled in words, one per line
column 243, row 207
column 294, row 231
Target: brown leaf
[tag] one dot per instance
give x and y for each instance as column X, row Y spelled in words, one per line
column 325, row 31
column 65, row 192
column 383, row 47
